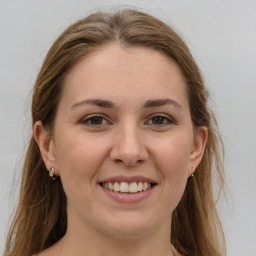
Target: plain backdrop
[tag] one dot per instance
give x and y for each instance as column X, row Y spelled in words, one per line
column 221, row 35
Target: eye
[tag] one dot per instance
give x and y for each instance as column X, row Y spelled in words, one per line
column 95, row 120
column 160, row 120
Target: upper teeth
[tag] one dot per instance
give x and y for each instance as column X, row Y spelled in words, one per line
column 125, row 187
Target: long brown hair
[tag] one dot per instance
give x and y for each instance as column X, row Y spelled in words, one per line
column 41, row 217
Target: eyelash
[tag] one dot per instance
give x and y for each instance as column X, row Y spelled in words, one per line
column 89, row 119
column 166, row 119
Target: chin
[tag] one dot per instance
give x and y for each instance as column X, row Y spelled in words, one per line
column 127, row 226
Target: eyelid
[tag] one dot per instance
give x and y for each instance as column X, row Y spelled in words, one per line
column 91, row 116
column 85, row 120
column 170, row 120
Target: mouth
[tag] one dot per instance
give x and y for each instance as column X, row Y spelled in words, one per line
column 123, row 189
column 127, row 187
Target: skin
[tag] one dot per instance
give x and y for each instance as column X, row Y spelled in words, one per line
column 125, row 139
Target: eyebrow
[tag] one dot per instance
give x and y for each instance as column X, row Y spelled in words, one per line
column 161, row 102
column 98, row 102
column 108, row 104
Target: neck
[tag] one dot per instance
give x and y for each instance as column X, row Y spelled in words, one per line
column 88, row 241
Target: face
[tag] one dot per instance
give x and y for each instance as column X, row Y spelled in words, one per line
column 123, row 142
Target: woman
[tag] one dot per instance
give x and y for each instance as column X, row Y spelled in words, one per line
column 122, row 127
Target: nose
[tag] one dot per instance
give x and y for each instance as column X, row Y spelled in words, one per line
column 128, row 147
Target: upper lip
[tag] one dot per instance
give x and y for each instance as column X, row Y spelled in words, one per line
column 127, row 179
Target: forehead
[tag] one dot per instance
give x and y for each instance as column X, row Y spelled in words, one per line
column 115, row 71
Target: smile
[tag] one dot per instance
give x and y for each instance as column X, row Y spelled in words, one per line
column 125, row 187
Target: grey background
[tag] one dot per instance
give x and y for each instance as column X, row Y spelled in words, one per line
column 222, row 37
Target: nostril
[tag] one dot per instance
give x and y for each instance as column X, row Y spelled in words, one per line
column 128, row 161
column 130, row 151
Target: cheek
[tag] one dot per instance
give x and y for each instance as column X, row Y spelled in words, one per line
column 172, row 162
column 173, row 154
column 78, row 157
column 79, row 160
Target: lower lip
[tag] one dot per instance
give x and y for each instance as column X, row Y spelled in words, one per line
column 128, row 197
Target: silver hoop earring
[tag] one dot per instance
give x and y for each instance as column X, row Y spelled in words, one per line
column 52, row 173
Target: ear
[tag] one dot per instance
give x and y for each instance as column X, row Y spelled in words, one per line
column 197, row 152
column 46, row 145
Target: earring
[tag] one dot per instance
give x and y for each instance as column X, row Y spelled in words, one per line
column 193, row 168
column 52, row 173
